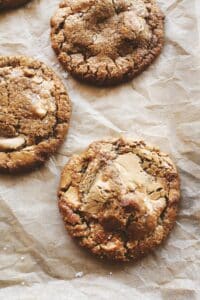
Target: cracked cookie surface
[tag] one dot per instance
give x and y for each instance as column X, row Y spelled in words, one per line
column 7, row 4
column 119, row 198
column 34, row 113
column 106, row 42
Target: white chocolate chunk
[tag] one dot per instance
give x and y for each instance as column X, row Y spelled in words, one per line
column 37, row 79
column 43, row 102
column 131, row 174
column 131, row 171
column 11, row 143
column 140, row 8
column 38, row 107
column 72, row 196
column 137, row 25
column 16, row 72
column 39, row 110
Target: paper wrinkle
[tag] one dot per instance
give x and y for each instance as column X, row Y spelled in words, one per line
column 38, row 260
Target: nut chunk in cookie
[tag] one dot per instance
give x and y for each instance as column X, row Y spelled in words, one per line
column 119, row 198
column 34, row 113
column 106, row 42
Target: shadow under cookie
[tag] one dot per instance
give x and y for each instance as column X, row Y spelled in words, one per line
column 10, row 4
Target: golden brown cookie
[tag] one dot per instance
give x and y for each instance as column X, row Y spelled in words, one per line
column 119, row 198
column 106, row 42
column 34, row 113
column 7, row 4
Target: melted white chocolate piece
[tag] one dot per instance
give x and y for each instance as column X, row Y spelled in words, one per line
column 132, row 173
column 11, row 143
column 140, row 8
column 72, row 196
column 137, row 24
column 39, row 110
column 135, row 185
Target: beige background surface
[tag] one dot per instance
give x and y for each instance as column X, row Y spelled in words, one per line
column 37, row 258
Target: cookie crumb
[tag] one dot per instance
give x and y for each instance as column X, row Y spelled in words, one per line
column 65, row 75
column 79, row 274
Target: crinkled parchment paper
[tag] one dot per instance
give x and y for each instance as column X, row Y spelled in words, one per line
column 38, row 260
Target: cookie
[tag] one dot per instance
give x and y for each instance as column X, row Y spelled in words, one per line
column 119, row 198
column 7, row 4
column 106, row 42
column 34, row 113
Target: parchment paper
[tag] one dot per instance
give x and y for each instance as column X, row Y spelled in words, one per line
column 38, row 260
